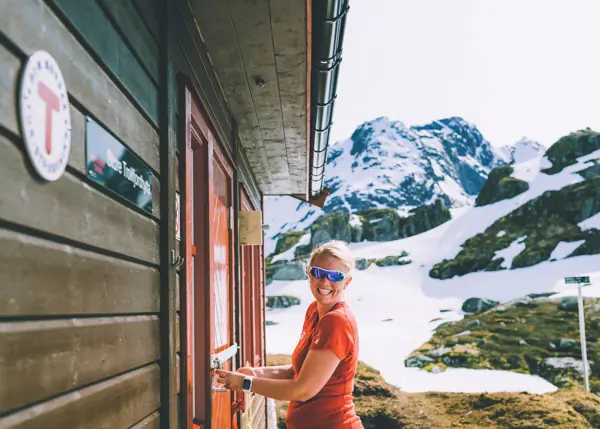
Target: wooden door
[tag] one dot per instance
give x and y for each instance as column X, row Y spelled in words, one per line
column 221, row 281
column 209, row 298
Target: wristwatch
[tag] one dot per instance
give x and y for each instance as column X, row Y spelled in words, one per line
column 247, row 384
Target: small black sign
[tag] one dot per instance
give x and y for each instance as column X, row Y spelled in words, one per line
column 115, row 167
column 585, row 279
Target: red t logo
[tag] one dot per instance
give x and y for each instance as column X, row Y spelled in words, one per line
column 52, row 103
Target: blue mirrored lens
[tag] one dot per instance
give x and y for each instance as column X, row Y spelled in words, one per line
column 316, row 273
column 332, row 276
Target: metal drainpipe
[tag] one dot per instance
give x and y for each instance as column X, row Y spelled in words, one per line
column 328, row 23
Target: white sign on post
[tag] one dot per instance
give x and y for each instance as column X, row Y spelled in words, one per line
column 177, row 218
column 45, row 116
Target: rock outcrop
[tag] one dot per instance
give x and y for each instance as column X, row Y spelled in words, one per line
column 500, row 186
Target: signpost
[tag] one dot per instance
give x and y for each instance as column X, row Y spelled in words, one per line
column 581, row 281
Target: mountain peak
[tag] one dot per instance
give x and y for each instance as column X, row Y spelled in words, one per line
column 523, row 150
column 386, row 164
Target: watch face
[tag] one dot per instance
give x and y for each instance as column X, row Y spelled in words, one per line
column 246, row 384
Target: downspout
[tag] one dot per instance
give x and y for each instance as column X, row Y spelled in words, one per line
column 328, row 24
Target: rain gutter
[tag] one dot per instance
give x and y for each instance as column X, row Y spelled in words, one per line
column 328, row 24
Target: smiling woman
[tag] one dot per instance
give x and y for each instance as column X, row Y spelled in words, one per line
column 320, row 380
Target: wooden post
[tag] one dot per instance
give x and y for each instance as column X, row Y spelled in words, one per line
column 168, row 145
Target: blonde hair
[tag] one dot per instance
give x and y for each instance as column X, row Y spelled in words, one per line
column 336, row 248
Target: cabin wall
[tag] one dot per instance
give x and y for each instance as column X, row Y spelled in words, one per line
column 90, row 305
column 79, row 276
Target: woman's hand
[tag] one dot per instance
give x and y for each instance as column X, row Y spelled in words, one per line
column 231, row 380
column 247, row 371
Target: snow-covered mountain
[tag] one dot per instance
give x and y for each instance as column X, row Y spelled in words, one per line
column 522, row 151
column 387, row 164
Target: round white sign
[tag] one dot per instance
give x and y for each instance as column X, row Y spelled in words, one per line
column 45, row 115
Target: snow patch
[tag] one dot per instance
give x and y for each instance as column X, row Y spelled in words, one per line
column 567, row 363
column 471, row 381
column 590, row 223
column 564, row 249
column 509, row 253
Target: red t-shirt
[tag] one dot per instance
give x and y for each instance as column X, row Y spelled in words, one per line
column 332, row 407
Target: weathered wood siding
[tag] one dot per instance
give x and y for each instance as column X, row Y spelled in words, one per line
column 82, row 283
column 79, row 266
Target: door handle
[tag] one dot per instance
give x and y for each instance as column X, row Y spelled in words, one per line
column 216, row 362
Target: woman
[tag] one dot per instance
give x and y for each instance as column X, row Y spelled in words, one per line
column 320, row 380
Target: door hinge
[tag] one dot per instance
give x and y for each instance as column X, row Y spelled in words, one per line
column 231, row 218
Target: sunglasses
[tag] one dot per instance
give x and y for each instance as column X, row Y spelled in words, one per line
column 332, row 276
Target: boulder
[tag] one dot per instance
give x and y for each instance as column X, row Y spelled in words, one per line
column 478, row 305
column 526, row 303
column 417, row 361
column 289, row 271
column 441, row 325
column 472, row 324
column 287, row 240
column 568, row 148
column 500, row 186
column 282, row 301
column 302, row 251
column 380, row 224
column 569, row 303
column 566, row 344
column 332, row 226
column 386, row 224
column 389, row 261
column 363, row 263
column 424, row 218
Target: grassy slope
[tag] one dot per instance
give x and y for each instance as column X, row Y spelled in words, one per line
column 519, row 338
column 382, row 406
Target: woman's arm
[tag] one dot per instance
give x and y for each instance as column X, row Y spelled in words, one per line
column 280, row 372
column 317, row 369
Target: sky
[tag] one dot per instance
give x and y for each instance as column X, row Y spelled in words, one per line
column 513, row 68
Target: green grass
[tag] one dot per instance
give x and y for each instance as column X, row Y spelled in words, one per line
column 518, row 338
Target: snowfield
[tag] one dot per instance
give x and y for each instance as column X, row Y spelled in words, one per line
column 397, row 308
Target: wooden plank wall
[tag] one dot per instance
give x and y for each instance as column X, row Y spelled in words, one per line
column 79, row 267
column 119, row 38
column 80, row 287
